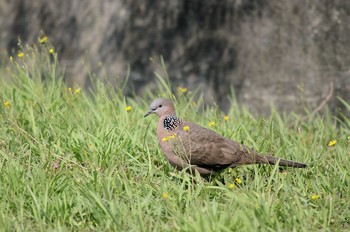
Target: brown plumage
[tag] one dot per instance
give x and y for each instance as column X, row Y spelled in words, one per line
column 200, row 149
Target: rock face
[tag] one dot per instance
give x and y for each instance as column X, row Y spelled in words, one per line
column 278, row 51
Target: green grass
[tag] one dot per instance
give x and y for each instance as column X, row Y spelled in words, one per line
column 81, row 162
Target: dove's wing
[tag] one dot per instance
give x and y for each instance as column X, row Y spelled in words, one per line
column 205, row 148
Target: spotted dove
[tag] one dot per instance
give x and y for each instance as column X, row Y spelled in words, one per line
column 189, row 146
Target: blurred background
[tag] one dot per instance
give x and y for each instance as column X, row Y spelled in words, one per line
column 292, row 54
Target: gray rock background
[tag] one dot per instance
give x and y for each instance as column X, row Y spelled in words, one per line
column 268, row 51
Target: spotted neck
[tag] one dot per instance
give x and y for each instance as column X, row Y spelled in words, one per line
column 170, row 122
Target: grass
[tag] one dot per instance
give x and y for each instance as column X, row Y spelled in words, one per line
column 76, row 160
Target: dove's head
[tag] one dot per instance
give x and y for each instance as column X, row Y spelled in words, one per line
column 161, row 107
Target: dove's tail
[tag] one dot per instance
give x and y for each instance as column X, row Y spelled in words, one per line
column 283, row 162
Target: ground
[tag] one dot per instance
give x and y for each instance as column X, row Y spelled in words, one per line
column 86, row 160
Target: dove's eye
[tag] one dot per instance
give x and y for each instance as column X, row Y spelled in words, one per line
column 160, row 106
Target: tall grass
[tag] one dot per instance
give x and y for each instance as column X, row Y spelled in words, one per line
column 77, row 160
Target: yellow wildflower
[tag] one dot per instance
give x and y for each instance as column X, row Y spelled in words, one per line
column 52, row 51
column 181, row 89
column 165, row 195
column 231, row 186
column 315, row 197
column 128, row 108
column 77, row 91
column 226, row 118
column 238, row 180
column 7, row 104
column 186, row 128
column 168, row 137
column 11, row 58
column 332, row 143
column 211, row 124
column 349, row 137
column 43, row 39
column 172, row 136
column 20, row 55
column 70, row 89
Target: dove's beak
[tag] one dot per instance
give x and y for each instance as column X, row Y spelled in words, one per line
column 148, row 113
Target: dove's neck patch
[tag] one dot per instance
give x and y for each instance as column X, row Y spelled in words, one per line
column 171, row 122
